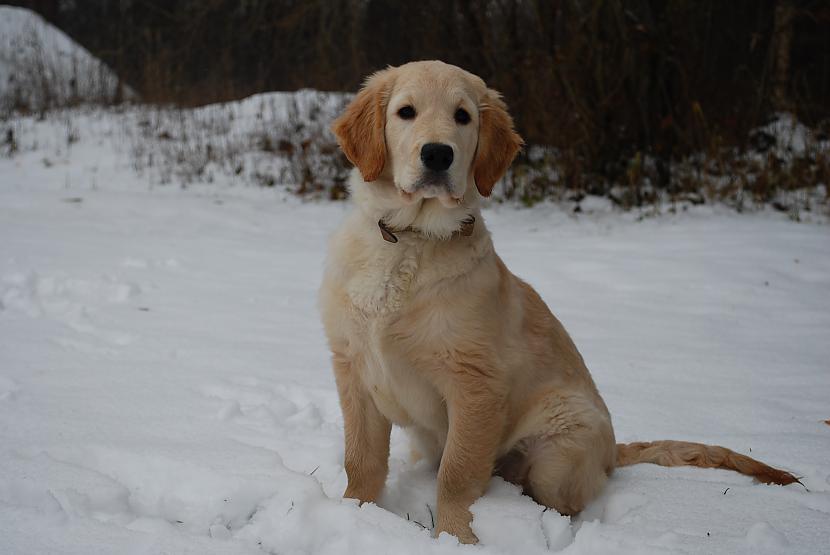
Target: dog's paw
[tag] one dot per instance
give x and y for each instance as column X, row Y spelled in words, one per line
column 460, row 530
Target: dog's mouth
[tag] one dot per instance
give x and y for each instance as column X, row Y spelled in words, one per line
column 432, row 185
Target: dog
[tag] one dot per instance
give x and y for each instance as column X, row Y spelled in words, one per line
column 429, row 330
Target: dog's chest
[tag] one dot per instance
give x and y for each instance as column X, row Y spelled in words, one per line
column 380, row 294
column 398, row 386
column 400, row 389
column 383, row 279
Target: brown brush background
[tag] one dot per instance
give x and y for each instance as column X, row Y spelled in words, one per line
column 603, row 81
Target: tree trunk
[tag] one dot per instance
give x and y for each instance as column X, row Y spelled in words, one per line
column 782, row 35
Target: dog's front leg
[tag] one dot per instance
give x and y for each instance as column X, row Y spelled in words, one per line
column 367, row 434
column 476, row 423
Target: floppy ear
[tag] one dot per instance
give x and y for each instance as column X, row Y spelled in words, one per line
column 360, row 130
column 498, row 143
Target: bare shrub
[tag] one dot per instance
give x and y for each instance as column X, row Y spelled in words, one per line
column 786, row 165
column 275, row 139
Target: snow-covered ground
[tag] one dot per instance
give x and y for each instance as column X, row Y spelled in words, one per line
column 41, row 67
column 165, row 385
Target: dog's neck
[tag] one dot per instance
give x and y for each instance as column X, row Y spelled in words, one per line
column 425, row 219
column 465, row 230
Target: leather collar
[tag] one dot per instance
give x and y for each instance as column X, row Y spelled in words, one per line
column 388, row 234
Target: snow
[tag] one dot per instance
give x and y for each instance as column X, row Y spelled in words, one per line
column 269, row 138
column 40, row 66
column 165, row 384
column 789, row 137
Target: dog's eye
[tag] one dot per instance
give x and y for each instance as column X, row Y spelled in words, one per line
column 407, row 112
column 462, row 117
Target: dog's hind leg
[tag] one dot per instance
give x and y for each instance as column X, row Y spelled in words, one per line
column 565, row 453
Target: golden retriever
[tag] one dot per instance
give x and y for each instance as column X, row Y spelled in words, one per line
column 430, row 331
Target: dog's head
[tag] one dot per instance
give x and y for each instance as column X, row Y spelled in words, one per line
column 431, row 131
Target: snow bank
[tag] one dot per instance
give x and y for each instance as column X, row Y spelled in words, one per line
column 41, row 67
column 278, row 138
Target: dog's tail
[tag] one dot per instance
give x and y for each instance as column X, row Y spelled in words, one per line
column 685, row 453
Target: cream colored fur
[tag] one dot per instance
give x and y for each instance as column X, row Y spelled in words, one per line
column 433, row 333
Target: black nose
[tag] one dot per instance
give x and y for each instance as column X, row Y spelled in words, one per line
column 436, row 156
